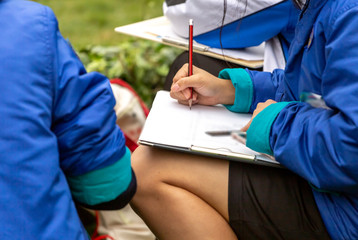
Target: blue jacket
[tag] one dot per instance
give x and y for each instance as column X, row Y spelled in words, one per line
column 318, row 143
column 246, row 24
column 58, row 138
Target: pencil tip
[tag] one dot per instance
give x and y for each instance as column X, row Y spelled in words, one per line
column 190, row 103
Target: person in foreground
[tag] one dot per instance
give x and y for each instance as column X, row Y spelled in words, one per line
column 59, row 142
column 306, row 116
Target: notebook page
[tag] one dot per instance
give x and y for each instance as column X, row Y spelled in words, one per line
column 169, row 122
column 218, row 118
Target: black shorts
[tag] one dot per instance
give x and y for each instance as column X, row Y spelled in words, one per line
column 272, row 203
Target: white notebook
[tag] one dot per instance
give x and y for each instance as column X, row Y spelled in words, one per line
column 159, row 30
column 174, row 126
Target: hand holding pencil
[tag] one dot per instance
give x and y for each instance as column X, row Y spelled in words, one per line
column 207, row 89
column 193, row 85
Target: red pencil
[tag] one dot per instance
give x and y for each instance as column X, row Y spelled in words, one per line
column 190, row 70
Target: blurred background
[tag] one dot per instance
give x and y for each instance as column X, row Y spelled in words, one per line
column 89, row 26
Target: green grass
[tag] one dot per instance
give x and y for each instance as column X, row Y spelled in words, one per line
column 92, row 22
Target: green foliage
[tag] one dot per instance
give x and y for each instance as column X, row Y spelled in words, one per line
column 86, row 22
column 143, row 64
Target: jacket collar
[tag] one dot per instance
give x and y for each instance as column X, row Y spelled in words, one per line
column 307, row 19
column 304, row 28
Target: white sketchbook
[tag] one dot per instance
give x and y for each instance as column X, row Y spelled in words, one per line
column 159, row 30
column 173, row 126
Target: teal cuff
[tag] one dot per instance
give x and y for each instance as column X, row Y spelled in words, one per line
column 104, row 184
column 258, row 134
column 243, row 88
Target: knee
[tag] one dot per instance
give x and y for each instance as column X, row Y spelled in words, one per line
column 146, row 170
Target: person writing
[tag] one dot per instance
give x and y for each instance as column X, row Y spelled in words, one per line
column 306, row 116
column 59, row 142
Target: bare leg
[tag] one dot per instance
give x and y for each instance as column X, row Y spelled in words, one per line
column 182, row 196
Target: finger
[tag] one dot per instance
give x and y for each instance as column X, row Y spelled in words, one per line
column 259, row 105
column 183, row 72
column 270, row 101
column 255, row 112
column 195, row 96
column 246, row 127
column 187, row 82
column 184, row 102
column 183, row 92
column 187, row 93
column 182, row 95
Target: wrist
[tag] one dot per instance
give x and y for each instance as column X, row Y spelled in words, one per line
column 242, row 83
column 227, row 92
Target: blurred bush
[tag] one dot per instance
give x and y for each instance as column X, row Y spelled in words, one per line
column 143, row 64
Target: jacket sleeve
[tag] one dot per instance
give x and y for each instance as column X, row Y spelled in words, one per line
column 92, row 148
column 245, row 25
column 253, row 87
column 321, row 144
